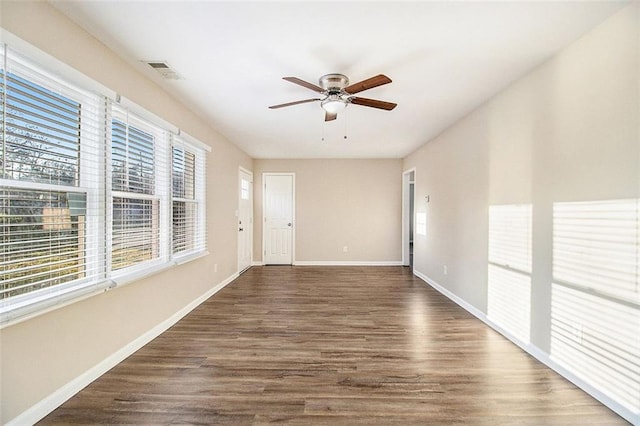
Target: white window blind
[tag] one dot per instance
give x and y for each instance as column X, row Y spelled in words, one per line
column 509, row 268
column 188, row 174
column 139, row 178
column 42, row 134
column 91, row 194
column 51, row 206
column 595, row 310
column 132, row 158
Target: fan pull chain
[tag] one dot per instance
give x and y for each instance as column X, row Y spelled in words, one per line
column 344, row 118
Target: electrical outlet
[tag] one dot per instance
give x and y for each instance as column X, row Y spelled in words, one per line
column 345, row 249
column 445, row 270
column 215, row 267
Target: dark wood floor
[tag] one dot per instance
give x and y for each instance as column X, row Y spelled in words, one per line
column 331, row 345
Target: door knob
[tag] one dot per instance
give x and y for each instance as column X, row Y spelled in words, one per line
column 241, row 229
column 289, row 224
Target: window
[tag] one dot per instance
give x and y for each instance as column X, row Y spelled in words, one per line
column 137, row 182
column 49, row 204
column 184, row 207
column 244, row 189
column 90, row 193
column 187, row 195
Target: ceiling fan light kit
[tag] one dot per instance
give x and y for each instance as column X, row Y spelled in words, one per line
column 338, row 93
column 333, row 104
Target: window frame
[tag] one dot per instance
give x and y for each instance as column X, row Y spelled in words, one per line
column 94, row 182
column 90, row 108
column 160, row 188
column 199, row 243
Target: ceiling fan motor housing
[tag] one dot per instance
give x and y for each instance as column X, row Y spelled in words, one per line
column 333, row 83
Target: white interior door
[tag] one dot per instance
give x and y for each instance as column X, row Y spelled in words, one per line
column 245, row 219
column 278, row 218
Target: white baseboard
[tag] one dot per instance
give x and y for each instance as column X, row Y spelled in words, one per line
column 536, row 352
column 57, row 398
column 346, row 263
column 337, row 263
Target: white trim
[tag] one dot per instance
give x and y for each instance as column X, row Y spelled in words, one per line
column 39, row 186
column 48, row 304
column 461, row 302
column 58, row 397
column 192, row 140
column 536, row 352
column 293, row 218
column 138, row 272
column 347, row 263
column 406, row 202
column 242, row 170
column 135, row 195
column 185, row 258
column 139, row 112
column 256, row 263
column 53, row 65
column 132, row 273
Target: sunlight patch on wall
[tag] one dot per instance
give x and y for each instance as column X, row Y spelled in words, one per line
column 509, row 269
column 595, row 311
column 509, row 300
column 421, row 223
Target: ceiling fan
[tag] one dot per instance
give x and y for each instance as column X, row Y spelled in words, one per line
column 337, row 93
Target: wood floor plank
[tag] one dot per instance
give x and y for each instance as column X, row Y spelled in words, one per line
column 331, row 345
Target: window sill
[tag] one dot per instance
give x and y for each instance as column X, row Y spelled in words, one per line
column 128, row 277
column 185, row 258
column 46, row 302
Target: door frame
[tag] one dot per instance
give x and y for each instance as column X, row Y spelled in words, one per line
column 242, row 170
column 406, row 181
column 293, row 213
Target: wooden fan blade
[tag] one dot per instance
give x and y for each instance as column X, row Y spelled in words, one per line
column 369, row 83
column 296, row 80
column 328, row 116
column 293, row 103
column 373, row 103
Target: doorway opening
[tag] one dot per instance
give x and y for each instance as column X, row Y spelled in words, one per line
column 408, row 216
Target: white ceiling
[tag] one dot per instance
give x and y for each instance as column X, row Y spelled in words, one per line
column 445, row 58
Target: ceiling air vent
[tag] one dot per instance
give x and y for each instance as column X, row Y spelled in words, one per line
column 164, row 69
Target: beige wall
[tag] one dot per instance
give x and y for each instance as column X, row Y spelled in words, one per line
column 353, row 203
column 41, row 355
column 568, row 131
